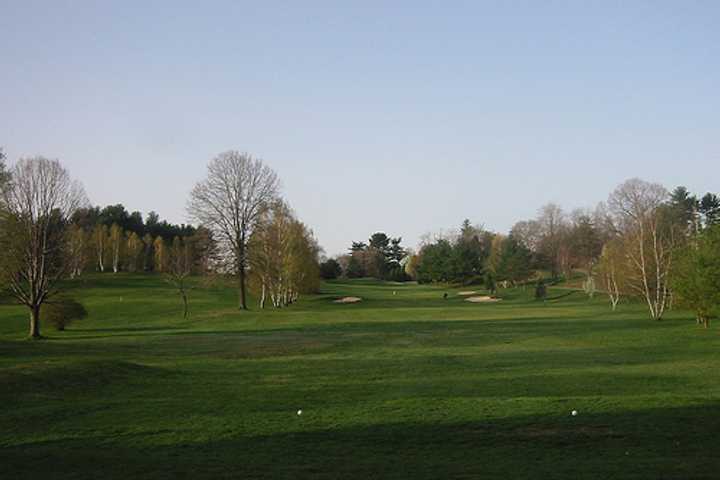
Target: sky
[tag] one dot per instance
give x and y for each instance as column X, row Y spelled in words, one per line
column 402, row 117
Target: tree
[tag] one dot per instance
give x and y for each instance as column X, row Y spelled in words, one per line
column 355, row 268
column 100, row 240
column 584, row 243
column 514, row 265
column 492, row 262
column 552, row 224
column 540, row 290
column 160, row 252
column 330, row 269
column 683, row 211
column 529, row 233
column 205, row 250
column 710, row 209
column 134, row 251
column 116, row 241
column 411, row 265
column 283, row 257
column 77, row 248
column 148, row 253
column 489, row 282
column 36, row 204
column 696, row 280
column 612, row 270
column 649, row 236
column 62, row 312
column 179, row 267
column 469, row 253
column 229, row 203
column 435, row 262
column 4, row 174
column 380, row 258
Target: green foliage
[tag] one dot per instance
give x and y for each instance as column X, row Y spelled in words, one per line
column 696, row 279
column 355, row 268
column 514, row 264
column 460, row 260
column 436, row 262
column 62, row 312
column 379, row 258
column 330, row 269
column 710, row 209
column 584, row 242
column 490, row 283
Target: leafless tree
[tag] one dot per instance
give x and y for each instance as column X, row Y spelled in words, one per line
column 179, row 268
column 553, row 223
column 528, row 233
column 37, row 203
column 649, row 240
column 229, row 203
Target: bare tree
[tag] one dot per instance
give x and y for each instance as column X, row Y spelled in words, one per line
column 229, row 202
column 179, row 268
column 552, row 222
column 648, row 239
column 37, row 204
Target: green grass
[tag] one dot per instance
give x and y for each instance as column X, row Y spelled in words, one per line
column 403, row 385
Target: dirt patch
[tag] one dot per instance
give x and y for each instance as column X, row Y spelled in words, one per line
column 482, row 299
column 465, row 294
column 348, row 300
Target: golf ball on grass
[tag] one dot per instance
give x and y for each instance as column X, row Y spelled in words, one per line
column 573, row 413
column 299, row 412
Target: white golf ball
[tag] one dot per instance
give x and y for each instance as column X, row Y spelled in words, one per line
column 573, row 413
column 299, row 412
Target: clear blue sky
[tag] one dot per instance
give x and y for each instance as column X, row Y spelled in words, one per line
column 399, row 116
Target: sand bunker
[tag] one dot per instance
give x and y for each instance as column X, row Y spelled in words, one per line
column 482, row 299
column 464, row 294
column 348, row 300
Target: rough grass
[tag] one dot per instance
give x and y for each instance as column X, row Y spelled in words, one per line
column 409, row 385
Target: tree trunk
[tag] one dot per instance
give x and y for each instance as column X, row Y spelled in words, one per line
column 242, row 305
column 35, row 321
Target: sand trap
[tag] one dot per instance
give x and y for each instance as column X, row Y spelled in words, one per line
column 348, row 300
column 464, row 294
column 482, row 299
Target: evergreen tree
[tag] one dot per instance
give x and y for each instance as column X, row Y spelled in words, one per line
column 515, row 260
column 696, row 279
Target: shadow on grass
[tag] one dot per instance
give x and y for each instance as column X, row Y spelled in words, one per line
column 662, row 443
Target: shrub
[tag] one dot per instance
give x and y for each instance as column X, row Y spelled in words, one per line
column 540, row 290
column 62, row 313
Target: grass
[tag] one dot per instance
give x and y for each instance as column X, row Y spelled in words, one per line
column 402, row 385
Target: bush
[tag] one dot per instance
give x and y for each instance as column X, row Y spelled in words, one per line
column 490, row 284
column 540, row 290
column 330, row 269
column 62, row 313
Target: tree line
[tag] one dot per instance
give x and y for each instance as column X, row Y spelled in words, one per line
column 644, row 242
column 112, row 239
column 49, row 232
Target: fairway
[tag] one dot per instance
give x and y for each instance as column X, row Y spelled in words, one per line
column 403, row 384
